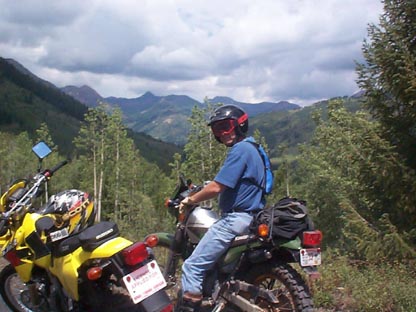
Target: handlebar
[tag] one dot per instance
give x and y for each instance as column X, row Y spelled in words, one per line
column 183, row 189
column 49, row 172
column 33, row 191
column 172, row 203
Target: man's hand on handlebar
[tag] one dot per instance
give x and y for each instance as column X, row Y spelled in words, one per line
column 186, row 202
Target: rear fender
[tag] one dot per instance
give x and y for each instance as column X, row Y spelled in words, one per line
column 291, row 244
column 66, row 268
column 110, row 248
column 288, row 250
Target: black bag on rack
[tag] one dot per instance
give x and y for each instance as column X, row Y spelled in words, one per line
column 286, row 219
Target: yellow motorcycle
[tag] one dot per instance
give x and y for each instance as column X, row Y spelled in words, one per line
column 59, row 260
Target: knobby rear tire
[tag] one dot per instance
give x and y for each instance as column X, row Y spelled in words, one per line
column 291, row 289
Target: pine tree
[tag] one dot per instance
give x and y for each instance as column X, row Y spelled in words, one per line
column 359, row 187
column 389, row 75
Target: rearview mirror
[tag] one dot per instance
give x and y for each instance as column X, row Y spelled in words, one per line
column 41, row 150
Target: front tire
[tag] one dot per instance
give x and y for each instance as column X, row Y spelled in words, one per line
column 288, row 285
column 15, row 293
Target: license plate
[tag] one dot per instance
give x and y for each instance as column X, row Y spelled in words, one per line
column 144, row 282
column 310, row 256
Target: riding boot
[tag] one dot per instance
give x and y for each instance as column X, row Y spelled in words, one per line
column 187, row 306
column 188, row 303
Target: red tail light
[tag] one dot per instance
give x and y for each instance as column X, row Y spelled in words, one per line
column 135, row 253
column 312, row 238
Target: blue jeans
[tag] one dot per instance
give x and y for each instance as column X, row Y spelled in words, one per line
column 212, row 245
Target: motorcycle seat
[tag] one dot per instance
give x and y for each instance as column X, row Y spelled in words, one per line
column 89, row 239
column 98, row 234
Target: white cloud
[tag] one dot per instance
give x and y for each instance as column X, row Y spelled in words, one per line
column 252, row 51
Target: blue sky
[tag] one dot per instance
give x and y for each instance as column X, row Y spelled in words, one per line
column 252, row 51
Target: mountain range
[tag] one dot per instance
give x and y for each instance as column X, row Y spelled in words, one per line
column 27, row 101
column 165, row 117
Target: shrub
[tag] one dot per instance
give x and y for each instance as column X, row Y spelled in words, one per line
column 347, row 285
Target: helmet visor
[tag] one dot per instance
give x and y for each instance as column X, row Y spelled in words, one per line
column 222, row 127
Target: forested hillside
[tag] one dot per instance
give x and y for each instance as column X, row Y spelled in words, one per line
column 285, row 130
column 27, row 102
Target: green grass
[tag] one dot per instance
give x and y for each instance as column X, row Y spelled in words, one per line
column 347, row 285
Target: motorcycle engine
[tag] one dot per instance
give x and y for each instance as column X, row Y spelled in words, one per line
column 199, row 221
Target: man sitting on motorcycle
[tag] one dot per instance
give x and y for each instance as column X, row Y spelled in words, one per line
column 240, row 197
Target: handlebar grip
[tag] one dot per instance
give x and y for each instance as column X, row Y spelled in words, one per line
column 57, row 167
column 172, row 203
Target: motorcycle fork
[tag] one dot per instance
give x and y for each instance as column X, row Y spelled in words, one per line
column 175, row 252
column 171, row 265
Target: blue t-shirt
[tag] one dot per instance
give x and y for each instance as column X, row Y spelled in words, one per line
column 242, row 166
